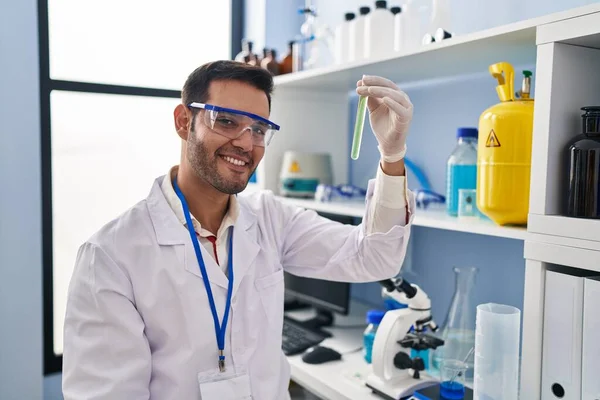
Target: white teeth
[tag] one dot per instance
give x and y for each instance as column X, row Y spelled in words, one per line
column 234, row 161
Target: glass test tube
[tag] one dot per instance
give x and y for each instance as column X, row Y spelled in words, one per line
column 358, row 127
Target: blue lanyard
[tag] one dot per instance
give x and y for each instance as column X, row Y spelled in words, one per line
column 219, row 328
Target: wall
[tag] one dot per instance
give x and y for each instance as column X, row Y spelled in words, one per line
column 20, row 204
column 53, row 387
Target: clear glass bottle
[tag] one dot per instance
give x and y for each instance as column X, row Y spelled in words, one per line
column 461, row 168
column 374, row 318
column 458, row 329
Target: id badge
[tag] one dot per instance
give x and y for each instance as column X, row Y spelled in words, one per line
column 216, row 385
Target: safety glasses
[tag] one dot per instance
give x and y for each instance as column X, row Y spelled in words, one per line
column 423, row 198
column 233, row 123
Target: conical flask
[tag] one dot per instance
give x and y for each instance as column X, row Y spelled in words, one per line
column 458, row 329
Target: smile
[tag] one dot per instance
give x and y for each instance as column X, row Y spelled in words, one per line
column 234, row 161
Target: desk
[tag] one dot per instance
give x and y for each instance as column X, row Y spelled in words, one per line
column 342, row 379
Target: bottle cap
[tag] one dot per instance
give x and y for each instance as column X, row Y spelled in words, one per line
column 427, row 39
column 441, row 34
column 396, row 10
column 591, row 120
column 381, row 4
column 467, row 132
column 349, row 16
column 375, row 316
column 364, row 10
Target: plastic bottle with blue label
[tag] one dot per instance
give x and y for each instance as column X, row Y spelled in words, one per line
column 461, row 167
column 374, row 318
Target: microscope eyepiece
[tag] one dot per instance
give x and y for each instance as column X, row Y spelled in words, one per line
column 407, row 288
column 388, row 284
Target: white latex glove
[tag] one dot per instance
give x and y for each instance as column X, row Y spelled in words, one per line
column 390, row 113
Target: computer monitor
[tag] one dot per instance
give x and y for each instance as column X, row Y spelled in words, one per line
column 326, row 297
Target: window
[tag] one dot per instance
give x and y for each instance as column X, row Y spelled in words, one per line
column 111, row 75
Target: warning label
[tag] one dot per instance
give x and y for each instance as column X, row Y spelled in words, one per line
column 295, row 167
column 492, row 140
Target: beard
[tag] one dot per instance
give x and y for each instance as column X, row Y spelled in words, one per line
column 205, row 166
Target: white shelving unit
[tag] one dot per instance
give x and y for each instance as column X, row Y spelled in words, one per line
column 568, row 61
column 312, row 108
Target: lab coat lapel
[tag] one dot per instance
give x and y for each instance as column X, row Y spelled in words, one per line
column 245, row 248
column 170, row 232
column 215, row 274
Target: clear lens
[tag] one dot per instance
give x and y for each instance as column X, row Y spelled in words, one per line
column 232, row 126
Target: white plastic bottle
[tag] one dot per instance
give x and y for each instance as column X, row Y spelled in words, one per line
column 417, row 20
column 342, row 39
column 356, row 50
column 398, row 28
column 379, row 32
column 440, row 16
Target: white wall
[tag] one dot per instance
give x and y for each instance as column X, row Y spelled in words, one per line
column 20, row 204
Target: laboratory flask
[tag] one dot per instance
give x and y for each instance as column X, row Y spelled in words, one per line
column 458, row 329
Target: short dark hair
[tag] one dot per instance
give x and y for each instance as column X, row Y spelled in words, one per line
column 198, row 82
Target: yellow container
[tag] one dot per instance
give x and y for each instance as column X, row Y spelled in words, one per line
column 504, row 151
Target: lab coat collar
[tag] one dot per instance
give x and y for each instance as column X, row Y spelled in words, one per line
column 170, row 232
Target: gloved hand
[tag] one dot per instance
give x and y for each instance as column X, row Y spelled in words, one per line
column 390, row 113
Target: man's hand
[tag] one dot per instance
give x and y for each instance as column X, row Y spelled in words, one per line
column 390, row 114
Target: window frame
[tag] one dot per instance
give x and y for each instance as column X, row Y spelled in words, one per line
column 53, row 362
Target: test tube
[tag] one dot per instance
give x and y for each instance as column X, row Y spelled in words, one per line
column 358, row 127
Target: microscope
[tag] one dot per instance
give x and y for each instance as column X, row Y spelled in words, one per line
column 395, row 374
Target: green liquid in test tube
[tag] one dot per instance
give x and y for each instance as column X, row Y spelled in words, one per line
column 358, row 127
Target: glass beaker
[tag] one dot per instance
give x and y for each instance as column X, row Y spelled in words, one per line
column 452, row 377
column 458, row 329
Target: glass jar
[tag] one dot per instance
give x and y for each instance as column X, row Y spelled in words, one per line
column 584, row 167
column 374, row 318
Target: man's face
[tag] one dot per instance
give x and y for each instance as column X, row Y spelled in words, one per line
column 224, row 163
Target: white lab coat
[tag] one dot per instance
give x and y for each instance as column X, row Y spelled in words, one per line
column 138, row 323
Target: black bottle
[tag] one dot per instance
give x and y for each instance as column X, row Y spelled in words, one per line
column 584, row 168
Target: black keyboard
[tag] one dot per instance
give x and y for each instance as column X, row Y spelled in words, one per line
column 297, row 339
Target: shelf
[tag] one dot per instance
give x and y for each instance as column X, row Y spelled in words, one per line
column 578, row 32
column 461, row 55
column 584, row 230
column 563, row 255
column 437, row 219
column 347, row 209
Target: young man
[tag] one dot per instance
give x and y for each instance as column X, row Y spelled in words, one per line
column 181, row 297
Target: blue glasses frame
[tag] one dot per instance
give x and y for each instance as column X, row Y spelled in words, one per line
column 424, row 197
column 211, row 107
